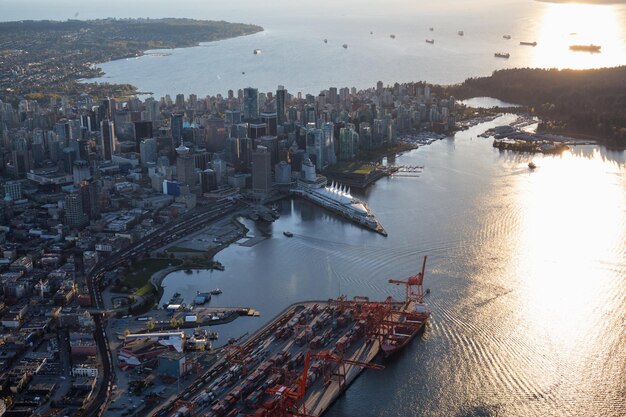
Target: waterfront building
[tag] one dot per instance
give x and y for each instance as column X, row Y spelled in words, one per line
column 348, row 144
column 282, row 172
column 261, row 171
column 315, row 147
column 271, row 144
column 329, row 143
column 365, row 136
column 250, row 103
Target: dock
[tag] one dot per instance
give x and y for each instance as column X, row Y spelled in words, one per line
column 300, row 362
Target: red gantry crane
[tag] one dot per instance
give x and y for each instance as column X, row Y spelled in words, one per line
column 414, row 289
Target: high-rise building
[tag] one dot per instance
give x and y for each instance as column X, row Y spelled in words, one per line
column 180, row 101
column 143, row 130
column 281, row 101
column 261, row 170
column 250, row 103
column 232, row 117
column 148, row 151
column 176, row 123
column 80, row 171
column 75, row 217
column 348, row 143
column 271, row 144
column 315, row 147
column 329, row 143
column 185, row 166
column 271, row 123
column 13, row 189
column 107, row 135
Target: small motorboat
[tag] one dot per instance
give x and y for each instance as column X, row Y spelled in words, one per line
column 216, row 291
column 287, row 233
column 532, row 165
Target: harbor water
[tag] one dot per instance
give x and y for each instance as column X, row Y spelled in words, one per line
column 293, row 52
column 526, row 271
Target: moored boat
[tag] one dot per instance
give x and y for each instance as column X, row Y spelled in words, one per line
column 410, row 319
column 532, row 165
column 502, row 55
column 216, row 291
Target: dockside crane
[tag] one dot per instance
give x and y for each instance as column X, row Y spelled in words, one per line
column 339, row 369
column 291, row 401
column 414, row 289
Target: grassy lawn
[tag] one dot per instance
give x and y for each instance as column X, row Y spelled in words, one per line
column 139, row 275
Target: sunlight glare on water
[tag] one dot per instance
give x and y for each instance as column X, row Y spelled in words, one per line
column 563, row 25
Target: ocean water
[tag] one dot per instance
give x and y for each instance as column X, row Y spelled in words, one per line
column 526, row 270
column 294, row 54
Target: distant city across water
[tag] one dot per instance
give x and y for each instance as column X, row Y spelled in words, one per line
column 293, row 52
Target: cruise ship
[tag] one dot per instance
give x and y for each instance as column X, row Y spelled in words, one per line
column 336, row 198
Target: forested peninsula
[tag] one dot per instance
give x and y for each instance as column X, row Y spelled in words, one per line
column 40, row 58
column 572, row 102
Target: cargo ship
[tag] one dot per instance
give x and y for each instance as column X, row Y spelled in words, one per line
column 410, row 319
column 585, row 48
column 528, row 43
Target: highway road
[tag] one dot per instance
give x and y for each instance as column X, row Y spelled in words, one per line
column 184, row 225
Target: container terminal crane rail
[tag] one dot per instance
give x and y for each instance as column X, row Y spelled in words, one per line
column 299, row 363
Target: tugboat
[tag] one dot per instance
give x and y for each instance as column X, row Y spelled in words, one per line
column 532, row 165
column 287, row 233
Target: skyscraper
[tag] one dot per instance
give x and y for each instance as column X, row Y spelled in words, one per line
column 250, row 103
column 107, row 134
column 176, row 124
column 185, row 166
column 143, row 130
column 281, row 97
column 261, row 170
column 148, row 151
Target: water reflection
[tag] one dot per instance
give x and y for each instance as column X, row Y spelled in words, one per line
column 563, row 25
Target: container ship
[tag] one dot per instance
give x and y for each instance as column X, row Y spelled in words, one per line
column 410, row 319
column 305, row 358
column 585, row 48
